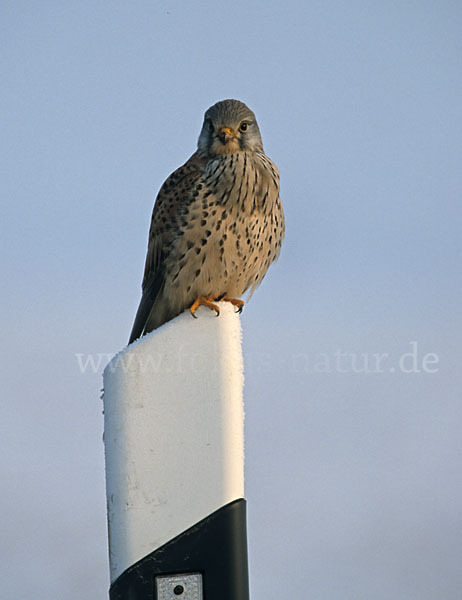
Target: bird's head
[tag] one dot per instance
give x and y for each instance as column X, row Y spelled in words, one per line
column 229, row 126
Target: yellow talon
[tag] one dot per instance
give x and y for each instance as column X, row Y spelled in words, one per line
column 203, row 301
column 239, row 304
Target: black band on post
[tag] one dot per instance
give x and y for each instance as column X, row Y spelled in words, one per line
column 216, row 547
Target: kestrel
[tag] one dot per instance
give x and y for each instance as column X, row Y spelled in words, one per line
column 217, row 222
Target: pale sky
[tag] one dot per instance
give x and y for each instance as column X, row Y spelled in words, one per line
column 352, row 465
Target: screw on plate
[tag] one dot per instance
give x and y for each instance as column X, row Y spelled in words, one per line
column 184, row 587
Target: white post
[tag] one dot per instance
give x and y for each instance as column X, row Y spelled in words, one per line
column 174, row 443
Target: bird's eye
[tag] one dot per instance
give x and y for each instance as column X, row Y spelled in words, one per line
column 244, row 126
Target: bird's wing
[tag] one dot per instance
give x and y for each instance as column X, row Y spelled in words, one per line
column 173, row 195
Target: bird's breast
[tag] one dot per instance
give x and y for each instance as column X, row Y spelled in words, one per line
column 245, row 180
column 229, row 233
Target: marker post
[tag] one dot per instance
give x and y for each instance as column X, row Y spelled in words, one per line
column 174, row 446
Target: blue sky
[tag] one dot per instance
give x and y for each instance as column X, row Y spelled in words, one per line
column 353, row 478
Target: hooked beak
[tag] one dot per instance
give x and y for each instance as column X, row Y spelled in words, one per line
column 225, row 134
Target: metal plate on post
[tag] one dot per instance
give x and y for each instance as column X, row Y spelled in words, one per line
column 179, row 587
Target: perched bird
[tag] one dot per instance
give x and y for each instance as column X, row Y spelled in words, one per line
column 217, row 222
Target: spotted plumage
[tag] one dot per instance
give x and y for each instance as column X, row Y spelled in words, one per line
column 217, row 222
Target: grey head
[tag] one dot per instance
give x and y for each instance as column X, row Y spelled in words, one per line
column 229, row 127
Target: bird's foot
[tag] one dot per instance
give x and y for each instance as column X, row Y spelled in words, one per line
column 239, row 304
column 203, row 301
